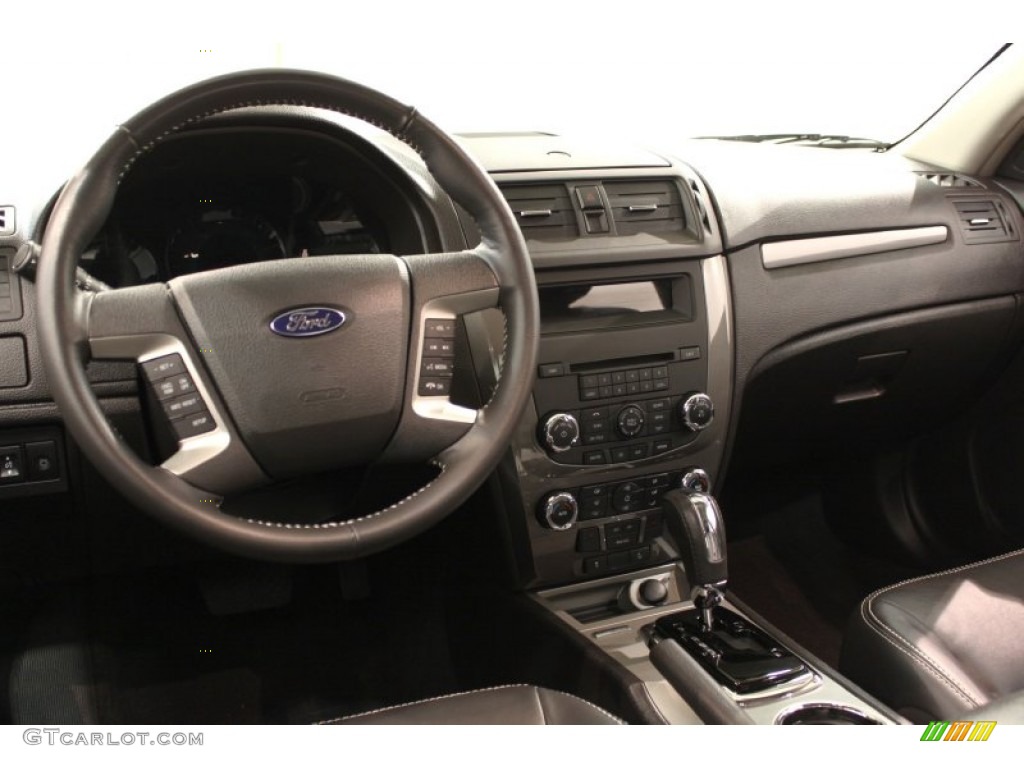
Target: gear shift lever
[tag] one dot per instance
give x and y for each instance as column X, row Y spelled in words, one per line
column 729, row 647
column 696, row 524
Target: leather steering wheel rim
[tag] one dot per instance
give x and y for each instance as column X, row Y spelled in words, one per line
column 64, row 323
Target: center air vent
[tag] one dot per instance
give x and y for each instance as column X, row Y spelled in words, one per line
column 983, row 221
column 648, row 206
column 544, row 211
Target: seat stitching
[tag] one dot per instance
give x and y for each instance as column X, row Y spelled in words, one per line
column 913, row 652
column 590, row 704
column 948, row 572
column 420, row 701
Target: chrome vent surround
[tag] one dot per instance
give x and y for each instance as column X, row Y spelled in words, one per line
column 645, row 206
column 544, row 211
column 983, row 220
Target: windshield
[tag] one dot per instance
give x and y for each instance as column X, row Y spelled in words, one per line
column 653, row 77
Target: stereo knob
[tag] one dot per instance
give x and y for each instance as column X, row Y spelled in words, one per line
column 631, row 421
column 697, row 411
column 695, row 480
column 560, row 432
column 558, row 511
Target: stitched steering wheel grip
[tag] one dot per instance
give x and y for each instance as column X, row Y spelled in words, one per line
column 76, row 326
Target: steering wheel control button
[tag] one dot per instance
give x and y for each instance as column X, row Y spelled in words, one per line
column 183, row 406
column 697, row 411
column 561, row 432
column 435, row 387
column 12, row 467
column 441, row 328
column 163, row 367
column 438, row 348
column 174, row 386
column 195, row 424
column 558, row 511
column 437, row 367
column 630, row 421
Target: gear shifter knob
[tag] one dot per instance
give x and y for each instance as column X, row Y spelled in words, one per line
column 696, row 524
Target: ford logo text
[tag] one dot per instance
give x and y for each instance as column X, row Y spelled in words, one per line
column 307, row 321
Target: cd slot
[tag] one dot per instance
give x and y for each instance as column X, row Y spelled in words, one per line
column 624, row 362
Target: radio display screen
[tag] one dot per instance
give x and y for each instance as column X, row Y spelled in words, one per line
column 644, row 301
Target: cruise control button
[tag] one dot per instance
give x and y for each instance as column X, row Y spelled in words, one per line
column 183, row 406
column 442, row 328
column 162, row 367
column 431, row 387
column 438, row 348
column 196, row 424
column 174, row 386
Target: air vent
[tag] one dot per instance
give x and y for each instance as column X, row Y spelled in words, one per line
column 982, row 221
column 647, row 206
column 949, row 179
column 6, row 220
column 544, row 211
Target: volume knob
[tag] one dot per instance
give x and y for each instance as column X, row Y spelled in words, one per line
column 697, row 411
column 560, row 432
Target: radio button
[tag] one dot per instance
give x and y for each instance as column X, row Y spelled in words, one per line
column 595, row 437
column 618, row 390
column 593, row 414
column 632, row 376
column 633, row 388
column 590, row 393
column 645, row 374
column 604, row 379
column 606, row 391
column 660, row 384
column 595, row 426
column 647, row 386
column 661, row 372
column 619, row 377
column 662, row 404
column 588, row 381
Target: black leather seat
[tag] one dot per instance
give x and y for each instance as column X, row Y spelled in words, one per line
column 505, row 705
column 940, row 646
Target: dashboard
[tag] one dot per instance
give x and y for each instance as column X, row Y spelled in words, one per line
column 219, row 198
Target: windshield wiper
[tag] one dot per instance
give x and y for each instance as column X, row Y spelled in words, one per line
column 830, row 140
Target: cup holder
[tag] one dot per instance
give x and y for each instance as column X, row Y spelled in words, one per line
column 824, row 714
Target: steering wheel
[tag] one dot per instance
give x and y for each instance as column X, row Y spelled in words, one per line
column 279, row 369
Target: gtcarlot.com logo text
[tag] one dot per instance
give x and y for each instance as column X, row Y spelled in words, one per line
column 54, row 737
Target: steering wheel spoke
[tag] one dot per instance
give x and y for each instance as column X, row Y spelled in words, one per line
column 141, row 325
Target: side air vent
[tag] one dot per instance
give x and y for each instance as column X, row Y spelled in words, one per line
column 983, row 221
column 544, row 211
column 6, row 220
column 949, row 179
column 648, row 206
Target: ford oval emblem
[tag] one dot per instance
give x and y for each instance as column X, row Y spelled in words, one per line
column 307, row 321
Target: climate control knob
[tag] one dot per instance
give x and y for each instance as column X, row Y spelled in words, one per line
column 697, row 411
column 558, row 511
column 560, row 432
column 630, row 421
column 695, row 480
